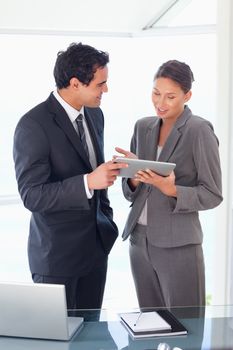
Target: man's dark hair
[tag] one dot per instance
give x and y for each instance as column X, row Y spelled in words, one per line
column 177, row 71
column 78, row 61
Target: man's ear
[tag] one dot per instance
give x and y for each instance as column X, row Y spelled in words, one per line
column 188, row 95
column 74, row 83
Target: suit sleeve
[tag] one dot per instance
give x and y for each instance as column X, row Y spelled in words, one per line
column 207, row 193
column 33, row 168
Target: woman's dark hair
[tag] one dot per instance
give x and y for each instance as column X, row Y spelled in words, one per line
column 177, row 71
column 78, row 61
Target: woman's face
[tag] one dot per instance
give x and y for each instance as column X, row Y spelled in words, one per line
column 168, row 99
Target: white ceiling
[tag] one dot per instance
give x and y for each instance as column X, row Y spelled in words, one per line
column 119, row 16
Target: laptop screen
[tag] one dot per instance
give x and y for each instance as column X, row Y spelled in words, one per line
column 34, row 310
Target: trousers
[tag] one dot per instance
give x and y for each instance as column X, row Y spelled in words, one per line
column 166, row 277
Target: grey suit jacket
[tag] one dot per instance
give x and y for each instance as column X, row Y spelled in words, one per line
column 193, row 146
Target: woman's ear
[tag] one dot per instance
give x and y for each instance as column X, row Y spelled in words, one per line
column 188, row 95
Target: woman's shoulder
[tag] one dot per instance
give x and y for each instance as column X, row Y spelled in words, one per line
column 197, row 122
column 199, row 128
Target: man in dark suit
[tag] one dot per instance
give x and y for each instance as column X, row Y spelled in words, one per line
column 62, row 179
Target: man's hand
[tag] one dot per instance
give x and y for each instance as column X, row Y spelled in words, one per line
column 104, row 175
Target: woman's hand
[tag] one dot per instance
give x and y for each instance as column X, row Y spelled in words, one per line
column 125, row 153
column 165, row 184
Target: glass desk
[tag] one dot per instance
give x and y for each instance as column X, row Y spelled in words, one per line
column 209, row 328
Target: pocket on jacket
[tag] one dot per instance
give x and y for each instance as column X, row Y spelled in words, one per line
column 172, row 203
column 66, row 216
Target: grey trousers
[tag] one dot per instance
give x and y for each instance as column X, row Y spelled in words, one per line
column 166, row 277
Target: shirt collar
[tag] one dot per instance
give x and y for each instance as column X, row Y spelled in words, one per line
column 71, row 111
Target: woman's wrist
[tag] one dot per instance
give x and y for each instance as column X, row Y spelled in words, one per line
column 133, row 184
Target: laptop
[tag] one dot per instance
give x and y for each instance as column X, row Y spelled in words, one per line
column 36, row 310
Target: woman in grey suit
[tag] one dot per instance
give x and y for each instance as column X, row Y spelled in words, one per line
column 165, row 233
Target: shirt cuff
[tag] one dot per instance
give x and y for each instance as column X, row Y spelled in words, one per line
column 89, row 192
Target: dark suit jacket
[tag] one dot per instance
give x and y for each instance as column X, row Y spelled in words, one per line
column 50, row 162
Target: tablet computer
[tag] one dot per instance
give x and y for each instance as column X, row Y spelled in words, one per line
column 161, row 168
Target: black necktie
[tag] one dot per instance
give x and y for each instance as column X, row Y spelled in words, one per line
column 79, row 121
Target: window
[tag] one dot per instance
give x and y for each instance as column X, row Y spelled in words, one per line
column 26, row 73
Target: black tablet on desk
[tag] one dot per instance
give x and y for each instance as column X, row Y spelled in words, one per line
column 161, row 168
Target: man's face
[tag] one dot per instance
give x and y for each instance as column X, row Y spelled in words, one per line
column 90, row 96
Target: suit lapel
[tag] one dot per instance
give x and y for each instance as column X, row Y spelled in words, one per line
column 65, row 124
column 174, row 136
column 95, row 138
column 170, row 145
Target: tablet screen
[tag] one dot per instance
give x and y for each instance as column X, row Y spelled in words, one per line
column 161, row 168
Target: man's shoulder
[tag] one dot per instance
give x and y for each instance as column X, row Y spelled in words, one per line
column 36, row 110
column 37, row 113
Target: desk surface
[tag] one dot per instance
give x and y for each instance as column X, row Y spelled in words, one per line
column 209, row 328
